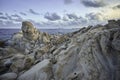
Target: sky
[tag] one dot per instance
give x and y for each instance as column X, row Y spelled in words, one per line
column 57, row 13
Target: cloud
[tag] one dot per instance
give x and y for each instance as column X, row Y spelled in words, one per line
column 1, row 13
column 22, row 13
column 9, row 24
column 8, row 16
column 52, row 16
column 69, row 23
column 80, row 22
column 93, row 3
column 111, row 14
column 3, row 18
column 68, row 1
column 14, row 17
column 63, row 22
column 94, row 16
column 72, row 16
column 33, row 12
column 17, row 20
column 65, row 18
column 117, row 6
column 54, row 21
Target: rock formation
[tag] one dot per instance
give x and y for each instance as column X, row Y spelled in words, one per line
column 91, row 53
column 29, row 32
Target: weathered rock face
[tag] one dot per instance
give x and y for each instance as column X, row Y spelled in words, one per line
column 89, row 57
column 29, row 32
column 92, row 53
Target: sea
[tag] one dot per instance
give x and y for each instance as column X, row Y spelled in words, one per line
column 6, row 34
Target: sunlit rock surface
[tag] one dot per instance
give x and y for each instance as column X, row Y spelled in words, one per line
column 91, row 53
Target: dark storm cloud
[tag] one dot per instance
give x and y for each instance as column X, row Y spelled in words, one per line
column 72, row 16
column 22, row 13
column 52, row 16
column 68, row 1
column 117, row 6
column 93, row 3
column 3, row 17
column 33, row 12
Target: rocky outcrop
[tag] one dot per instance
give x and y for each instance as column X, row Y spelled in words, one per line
column 91, row 53
column 29, row 32
column 29, row 39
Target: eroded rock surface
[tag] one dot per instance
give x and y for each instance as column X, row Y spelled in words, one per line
column 91, row 53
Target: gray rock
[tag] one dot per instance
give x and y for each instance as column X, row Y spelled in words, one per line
column 116, row 44
column 8, row 76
